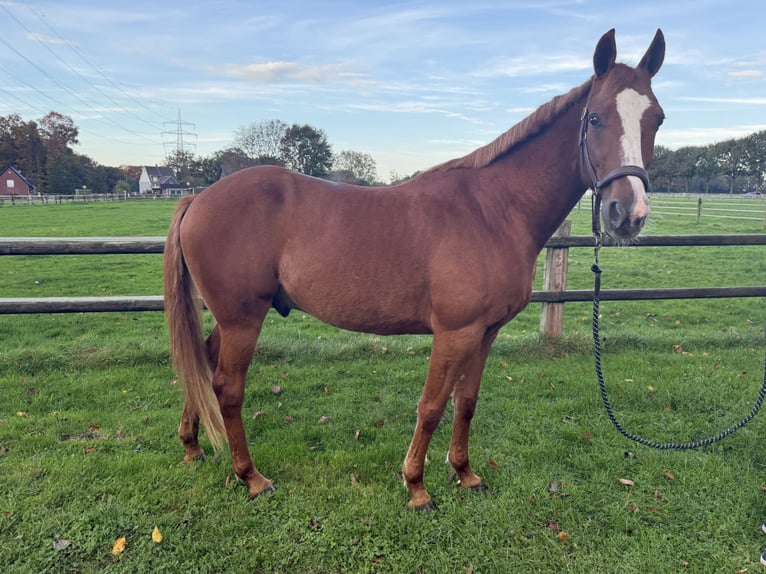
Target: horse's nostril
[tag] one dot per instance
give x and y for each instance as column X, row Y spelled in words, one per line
column 616, row 213
column 640, row 221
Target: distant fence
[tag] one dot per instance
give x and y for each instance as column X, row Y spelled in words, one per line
column 46, row 199
column 752, row 208
column 553, row 295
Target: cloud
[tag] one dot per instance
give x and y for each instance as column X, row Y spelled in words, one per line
column 735, row 101
column 43, row 39
column 699, row 136
column 535, row 65
column 745, row 74
column 269, row 72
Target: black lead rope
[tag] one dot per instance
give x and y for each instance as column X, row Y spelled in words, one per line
column 602, row 385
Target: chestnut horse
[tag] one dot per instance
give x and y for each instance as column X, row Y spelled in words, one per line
column 451, row 252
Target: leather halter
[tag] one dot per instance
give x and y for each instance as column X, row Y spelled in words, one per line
column 596, row 184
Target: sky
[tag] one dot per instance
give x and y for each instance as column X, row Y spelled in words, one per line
column 412, row 83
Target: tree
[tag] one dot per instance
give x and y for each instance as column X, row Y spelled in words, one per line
column 262, row 141
column 305, row 149
column 230, row 160
column 354, row 167
column 729, row 158
column 58, row 132
column 70, row 172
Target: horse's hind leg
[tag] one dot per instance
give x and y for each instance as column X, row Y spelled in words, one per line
column 237, row 345
column 188, row 429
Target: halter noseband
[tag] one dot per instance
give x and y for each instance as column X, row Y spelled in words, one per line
column 587, row 167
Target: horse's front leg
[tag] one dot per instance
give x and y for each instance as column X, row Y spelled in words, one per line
column 465, row 397
column 452, row 360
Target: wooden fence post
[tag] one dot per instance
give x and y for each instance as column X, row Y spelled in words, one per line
column 699, row 209
column 555, row 279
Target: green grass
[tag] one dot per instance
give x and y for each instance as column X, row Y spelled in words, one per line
column 88, row 413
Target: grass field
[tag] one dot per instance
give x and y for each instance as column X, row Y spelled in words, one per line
column 89, row 409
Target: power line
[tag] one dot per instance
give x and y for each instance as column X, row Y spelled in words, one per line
column 87, row 62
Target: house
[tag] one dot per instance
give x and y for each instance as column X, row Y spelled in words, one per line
column 158, row 181
column 13, row 183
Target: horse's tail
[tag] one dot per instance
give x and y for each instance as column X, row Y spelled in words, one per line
column 183, row 310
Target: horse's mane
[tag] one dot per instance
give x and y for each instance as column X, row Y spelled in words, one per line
column 518, row 134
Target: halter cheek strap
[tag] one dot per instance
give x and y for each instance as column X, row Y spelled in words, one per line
column 589, row 170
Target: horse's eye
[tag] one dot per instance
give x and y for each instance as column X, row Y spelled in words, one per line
column 660, row 121
column 594, row 119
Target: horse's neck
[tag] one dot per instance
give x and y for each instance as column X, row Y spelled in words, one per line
column 542, row 178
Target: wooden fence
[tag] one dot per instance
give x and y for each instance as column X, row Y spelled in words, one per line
column 553, row 295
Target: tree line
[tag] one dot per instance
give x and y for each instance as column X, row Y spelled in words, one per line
column 42, row 151
column 732, row 166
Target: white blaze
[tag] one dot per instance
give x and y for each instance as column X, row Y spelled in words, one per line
column 631, row 107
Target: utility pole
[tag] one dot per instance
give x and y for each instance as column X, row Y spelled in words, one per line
column 176, row 141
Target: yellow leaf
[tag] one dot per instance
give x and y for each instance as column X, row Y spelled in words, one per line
column 119, row 546
column 157, row 535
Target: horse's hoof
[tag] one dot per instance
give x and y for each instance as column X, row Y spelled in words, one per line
column 428, row 507
column 270, row 489
column 481, row 487
column 196, row 458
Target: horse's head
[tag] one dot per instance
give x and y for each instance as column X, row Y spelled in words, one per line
column 618, row 127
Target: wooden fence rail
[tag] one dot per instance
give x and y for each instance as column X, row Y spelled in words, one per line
column 552, row 296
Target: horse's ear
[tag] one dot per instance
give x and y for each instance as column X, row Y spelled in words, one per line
column 605, row 54
column 655, row 55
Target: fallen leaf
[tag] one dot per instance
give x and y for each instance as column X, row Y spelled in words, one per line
column 93, row 427
column 554, row 486
column 357, row 432
column 626, row 481
column 651, row 389
column 60, row 543
column 228, row 481
column 563, row 536
column 378, row 423
column 276, row 389
column 89, row 450
column 532, row 500
column 314, row 524
column 492, row 463
column 288, row 417
column 323, row 419
column 629, row 381
column 684, row 563
column 678, row 348
column 119, row 546
column 327, row 390
column 669, row 475
column 258, row 414
column 22, row 414
column 632, row 507
column 6, row 513
column 586, row 436
column 553, row 526
column 657, row 494
column 354, row 482
column 156, row 535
